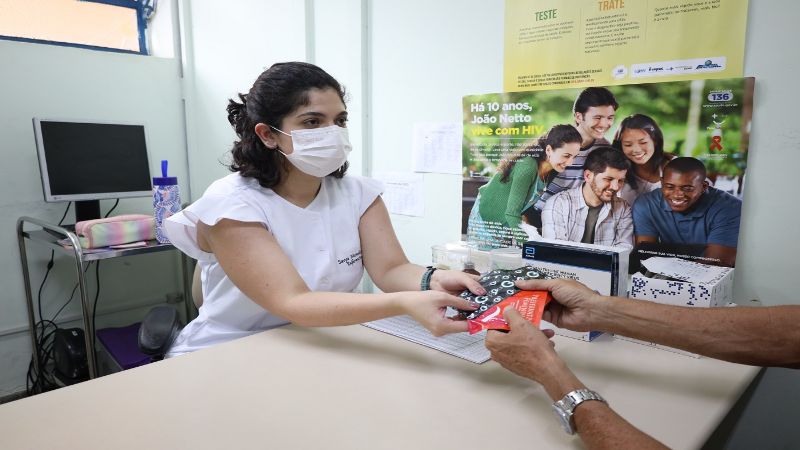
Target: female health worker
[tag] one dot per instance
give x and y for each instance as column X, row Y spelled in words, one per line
column 286, row 236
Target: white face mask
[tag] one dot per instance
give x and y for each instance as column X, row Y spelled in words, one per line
column 318, row 151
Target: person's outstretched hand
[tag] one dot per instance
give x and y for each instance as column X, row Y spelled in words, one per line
column 525, row 350
column 454, row 282
column 429, row 307
column 574, row 305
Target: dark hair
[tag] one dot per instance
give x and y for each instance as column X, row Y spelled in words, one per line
column 649, row 126
column 278, row 91
column 604, row 156
column 556, row 137
column 593, row 96
column 686, row 164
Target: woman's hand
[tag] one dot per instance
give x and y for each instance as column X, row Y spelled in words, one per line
column 428, row 308
column 454, row 282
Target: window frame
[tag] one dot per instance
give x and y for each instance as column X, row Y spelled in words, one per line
column 141, row 24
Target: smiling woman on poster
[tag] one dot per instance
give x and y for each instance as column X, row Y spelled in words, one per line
column 641, row 140
column 497, row 212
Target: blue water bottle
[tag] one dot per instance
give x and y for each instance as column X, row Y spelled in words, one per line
column 166, row 200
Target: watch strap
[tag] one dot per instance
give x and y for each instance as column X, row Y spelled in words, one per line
column 566, row 406
column 425, row 283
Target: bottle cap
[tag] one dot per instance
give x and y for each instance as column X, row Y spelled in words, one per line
column 164, row 180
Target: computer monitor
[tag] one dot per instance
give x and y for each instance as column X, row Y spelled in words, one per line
column 85, row 162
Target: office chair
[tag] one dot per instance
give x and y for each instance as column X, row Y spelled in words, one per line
column 162, row 324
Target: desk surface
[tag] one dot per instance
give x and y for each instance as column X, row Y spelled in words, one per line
column 357, row 388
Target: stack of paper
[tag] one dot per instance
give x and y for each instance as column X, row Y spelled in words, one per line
column 463, row 345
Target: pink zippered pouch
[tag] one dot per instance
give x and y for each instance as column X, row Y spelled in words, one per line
column 116, row 230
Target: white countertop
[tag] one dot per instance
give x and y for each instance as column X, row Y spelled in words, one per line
column 357, row 388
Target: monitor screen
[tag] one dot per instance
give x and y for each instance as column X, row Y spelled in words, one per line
column 87, row 161
column 91, row 161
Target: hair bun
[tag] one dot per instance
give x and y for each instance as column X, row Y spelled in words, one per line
column 237, row 114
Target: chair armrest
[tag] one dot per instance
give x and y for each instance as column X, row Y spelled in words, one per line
column 159, row 329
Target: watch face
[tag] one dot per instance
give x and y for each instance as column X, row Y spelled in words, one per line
column 564, row 419
column 565, row 407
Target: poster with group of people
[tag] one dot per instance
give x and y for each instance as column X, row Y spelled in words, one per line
column 656, row 167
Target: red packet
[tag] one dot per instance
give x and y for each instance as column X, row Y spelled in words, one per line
column 530, row 305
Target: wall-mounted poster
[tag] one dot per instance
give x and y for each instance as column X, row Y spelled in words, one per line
column 657, row 167
column 551, row 44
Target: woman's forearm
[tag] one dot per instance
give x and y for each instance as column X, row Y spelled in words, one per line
column 402, row 277
column 324, row 309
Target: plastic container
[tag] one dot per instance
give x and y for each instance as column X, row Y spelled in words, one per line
column 506, row 258
column 453, row 255
column 166, row 200
column 469, row 267
column 439, row 257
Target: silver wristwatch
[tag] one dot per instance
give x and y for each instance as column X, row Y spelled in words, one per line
column 565, row 407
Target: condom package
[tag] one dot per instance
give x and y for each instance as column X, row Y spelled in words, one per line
column 530, row 305
column 501, row 292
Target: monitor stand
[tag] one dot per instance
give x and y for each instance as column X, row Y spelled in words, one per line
column 84, row 210
column 87, row 210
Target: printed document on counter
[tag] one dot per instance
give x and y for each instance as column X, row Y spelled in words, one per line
column 462, row 345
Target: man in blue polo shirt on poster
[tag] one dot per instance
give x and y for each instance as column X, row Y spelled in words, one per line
column 686, row 211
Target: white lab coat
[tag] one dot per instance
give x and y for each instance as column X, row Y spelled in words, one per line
column 321, row 240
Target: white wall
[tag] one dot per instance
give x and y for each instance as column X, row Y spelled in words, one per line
column 161, row 30
column 226, row 46
column 425, row 56
column 338, row 44
column 766, row 264
column 60, row 82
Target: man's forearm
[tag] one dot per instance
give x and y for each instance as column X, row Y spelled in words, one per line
column 596, row 423
column 764, row 336
column 559, row 380
column 602, row 428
